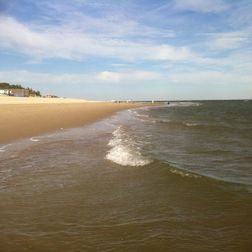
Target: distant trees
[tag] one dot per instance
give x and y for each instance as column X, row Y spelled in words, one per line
column 5, row 85
column 33, row 92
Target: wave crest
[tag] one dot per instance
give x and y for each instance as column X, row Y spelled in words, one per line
column 125, row 150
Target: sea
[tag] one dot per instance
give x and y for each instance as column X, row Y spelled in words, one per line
column 174, row 177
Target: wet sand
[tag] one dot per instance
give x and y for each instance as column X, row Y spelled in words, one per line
column 27, row 117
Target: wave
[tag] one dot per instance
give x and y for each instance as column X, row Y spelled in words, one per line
column 33, row 139
column 191, row 124
column 3, row 148
column 217, row 126
column 125, row 150
column 176, row 123
column 183, row 104
column 44, row 136
column 198, row 125
column 184, row 173
column 162, row 120
column 206, row 179
column 149, row 119
column 135, row 113
column 143, row 117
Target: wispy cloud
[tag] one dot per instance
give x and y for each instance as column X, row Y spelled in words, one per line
column 65, row 42
column 128, row 76
column 108, row 23
column 214, row 6
column 202, row 77
column 229, row 40
column 210, row 78
column 38, row 78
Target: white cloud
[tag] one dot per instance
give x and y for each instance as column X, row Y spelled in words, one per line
column 214, row 6
column 18, row 36
column 228, row 40
column 128, row 76
column 116, row 26
column 190, row 77
column 65, row 42
column 27, row 77
column 110, row 22
column 37, row 78
column 108, row 76
column 211, row 77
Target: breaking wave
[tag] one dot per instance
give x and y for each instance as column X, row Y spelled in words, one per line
column 33, row 139
column 191, row 124
column 3, row 148
column 125, row 150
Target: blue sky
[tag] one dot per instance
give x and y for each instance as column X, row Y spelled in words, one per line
column 128, row 49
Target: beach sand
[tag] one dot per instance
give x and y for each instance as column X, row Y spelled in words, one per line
column 27, row 117
column 38, row 100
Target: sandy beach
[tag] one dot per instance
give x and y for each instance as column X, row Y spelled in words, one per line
column 27, row 117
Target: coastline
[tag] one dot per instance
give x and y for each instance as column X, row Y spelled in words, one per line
column 31, row 117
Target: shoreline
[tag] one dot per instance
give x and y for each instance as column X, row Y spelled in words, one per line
column 28, row 120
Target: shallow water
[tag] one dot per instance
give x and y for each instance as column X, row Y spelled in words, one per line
column 175, row 178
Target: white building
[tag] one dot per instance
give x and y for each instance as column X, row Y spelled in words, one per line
column 4, row 92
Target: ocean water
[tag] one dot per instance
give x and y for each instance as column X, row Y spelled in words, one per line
column 169, row 178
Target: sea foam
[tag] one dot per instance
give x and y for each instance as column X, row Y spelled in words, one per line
column 3, row 148
column 125, row 150
column 33, row 139
column 191, row 124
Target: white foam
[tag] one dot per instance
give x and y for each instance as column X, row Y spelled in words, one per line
column 184, row 173
column 191, row 124
column 124, row 156
column 124, row 150
column 143, row 117
column 33, row 139
column 3, row 148
column 163, row 120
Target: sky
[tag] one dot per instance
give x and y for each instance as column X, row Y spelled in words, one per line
column 128, row 49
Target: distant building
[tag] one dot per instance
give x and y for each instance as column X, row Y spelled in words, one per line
column 20, row 92
column 4, row 92
column 17, row 92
